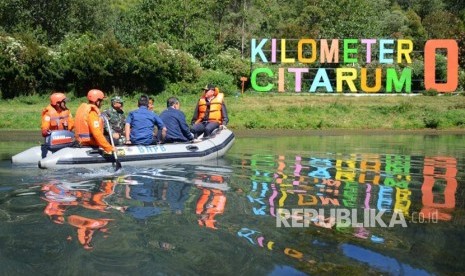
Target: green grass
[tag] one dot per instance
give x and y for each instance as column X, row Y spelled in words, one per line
column 286, row 111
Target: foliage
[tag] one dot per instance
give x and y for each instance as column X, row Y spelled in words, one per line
column 430, row 92
column 426, row 7
column 181, row 23
column 431, row 122
column 149, row 46
column 225, row 82
column 441, row 68
column 351, row 18
column 230, row 62
column 158, row 64
column 23, row 67
column 86, row 62
column 442, row 24
column 281, row 111
column 461, row 44
column 50, row 20
column 462, row 80
column 415, row 30
column 418, row 69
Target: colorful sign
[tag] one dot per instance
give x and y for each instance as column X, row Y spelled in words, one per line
column 365, row 51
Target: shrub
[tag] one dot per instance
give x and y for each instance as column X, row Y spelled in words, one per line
column 418, row 74
column 23, row 66
column 223, row 81
column 430, row 92
column 180, row 88
column 84, row 62
column 231, row 63
column 431, row 122
column 461, row 80
column 156, row 65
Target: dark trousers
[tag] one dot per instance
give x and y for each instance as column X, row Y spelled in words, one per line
column 204, row 127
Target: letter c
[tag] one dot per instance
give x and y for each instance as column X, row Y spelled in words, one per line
column 253, row 80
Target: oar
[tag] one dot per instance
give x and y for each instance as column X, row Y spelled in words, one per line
column 118, row 164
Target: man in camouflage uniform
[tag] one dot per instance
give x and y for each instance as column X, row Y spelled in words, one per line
column 117, row 120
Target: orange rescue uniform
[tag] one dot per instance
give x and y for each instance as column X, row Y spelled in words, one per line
column 54, row 120
column 89, row 127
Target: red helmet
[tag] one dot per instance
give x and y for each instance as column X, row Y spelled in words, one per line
column 94, row 95
column 56, row 98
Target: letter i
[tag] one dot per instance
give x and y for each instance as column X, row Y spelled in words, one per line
column 273, row 50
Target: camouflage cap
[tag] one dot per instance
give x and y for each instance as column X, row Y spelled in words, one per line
column 117, row 99
column 208, row 87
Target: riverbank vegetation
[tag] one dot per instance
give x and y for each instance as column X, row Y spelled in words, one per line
column 156, row 46
column 278, row 111
column 164, row 48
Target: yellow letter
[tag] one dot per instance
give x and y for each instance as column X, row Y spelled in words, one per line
column 283, row 53
column 312, row 58
column 404, row 51
column 348, row 75
column 364, row 83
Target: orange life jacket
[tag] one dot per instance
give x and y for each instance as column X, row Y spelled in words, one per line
column 215, row 114
column 82, row 131
column 58, row 120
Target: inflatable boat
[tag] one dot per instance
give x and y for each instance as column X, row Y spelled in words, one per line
column 134, row 155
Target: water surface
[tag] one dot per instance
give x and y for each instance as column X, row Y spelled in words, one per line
column 251, row 212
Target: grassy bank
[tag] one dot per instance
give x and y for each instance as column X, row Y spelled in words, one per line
column 288, row 111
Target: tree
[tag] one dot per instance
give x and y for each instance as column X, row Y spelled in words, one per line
column 351, row 18
column 50, row 20
column 425, row 7
column 442, row 24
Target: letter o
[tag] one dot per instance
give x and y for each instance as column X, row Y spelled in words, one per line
column 452, row 64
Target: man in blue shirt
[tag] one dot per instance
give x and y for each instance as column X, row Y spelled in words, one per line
column 140, row 124
column 175, row 121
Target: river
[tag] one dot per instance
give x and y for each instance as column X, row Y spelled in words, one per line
column 312, row 203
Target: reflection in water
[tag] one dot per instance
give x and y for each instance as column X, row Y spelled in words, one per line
column 381, row 262
column 212, row 200
column 61, row 197
column 328, row 191
column 377, row 182
column 281, row 212
column 141, row 195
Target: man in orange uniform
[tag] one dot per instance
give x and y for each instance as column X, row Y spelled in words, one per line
column 89, row 124
column 56, row 116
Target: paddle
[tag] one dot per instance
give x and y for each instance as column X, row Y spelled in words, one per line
column 110, row 133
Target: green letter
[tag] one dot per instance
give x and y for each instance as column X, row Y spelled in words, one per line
column 405, row 80
column 348, row 51
column 253, row 80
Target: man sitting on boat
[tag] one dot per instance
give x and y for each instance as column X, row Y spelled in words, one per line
column 175, row 121
column 210, row 112
column 140, row 125
column 56, row 116
column 117, row 120
column 89, row 124
column 56, row 119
